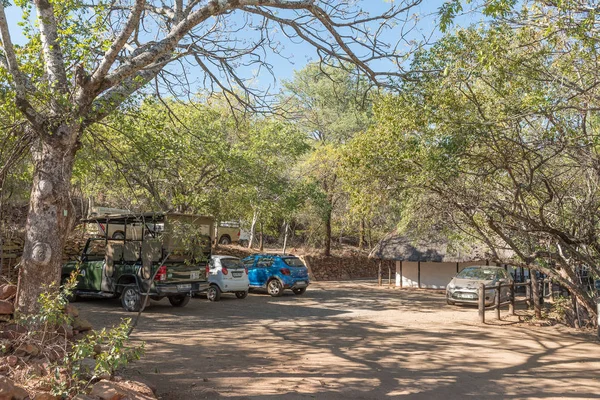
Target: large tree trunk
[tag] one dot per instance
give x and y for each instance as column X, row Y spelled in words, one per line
column 50, row 217
column 327, row 251
column 252, row 229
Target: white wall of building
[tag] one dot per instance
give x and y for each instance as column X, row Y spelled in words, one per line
column 434, row 275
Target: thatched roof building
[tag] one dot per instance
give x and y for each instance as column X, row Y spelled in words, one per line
column 430, row 260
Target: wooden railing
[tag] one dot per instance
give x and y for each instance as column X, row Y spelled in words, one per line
column 512, row 301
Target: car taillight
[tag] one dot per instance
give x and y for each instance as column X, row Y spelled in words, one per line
column 238, row 233
column 246, row 270
column 207, row 269
column 284, row 271
column 224, row 270
column 161, row 274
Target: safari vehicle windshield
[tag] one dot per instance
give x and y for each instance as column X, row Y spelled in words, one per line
column 481, row 273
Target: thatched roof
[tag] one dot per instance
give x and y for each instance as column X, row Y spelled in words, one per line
column 426, row 248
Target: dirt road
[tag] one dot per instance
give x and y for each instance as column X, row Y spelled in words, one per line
column 351, row 340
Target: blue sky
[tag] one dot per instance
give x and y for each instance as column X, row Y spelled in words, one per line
column 295, row 55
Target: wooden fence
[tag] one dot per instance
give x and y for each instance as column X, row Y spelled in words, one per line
column 530, row 291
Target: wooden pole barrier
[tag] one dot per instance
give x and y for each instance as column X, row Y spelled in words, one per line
column 535, row 292
column 528, row 293
column 497, row 300
column 511, row 306
column 389, row 275
column 481, row 302
column 379, row 283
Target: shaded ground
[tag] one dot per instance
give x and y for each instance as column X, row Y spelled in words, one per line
column 352, row 340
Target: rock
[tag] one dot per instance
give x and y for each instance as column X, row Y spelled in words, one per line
column 7, row 291
column 6, row 307
column 13, row 331
column 28, row 349
column 97, row 349
column 12, row 360
column 88, row 365
column 20, row 394
column 81, row 325
column 83, row 397
column 72, row 311
column 8, row 390
column 46, row 396
column 108, row 390
column 66, row 330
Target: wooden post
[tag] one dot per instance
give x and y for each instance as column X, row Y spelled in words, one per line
column 419, row 274
column 481, row 302
column 511, row 306
column 401, row 276
column 398, row 274
column 389, row 275
column 528, row 293
column 497, row 300
column 379, row 274
column 457, row 268
column 535, row 292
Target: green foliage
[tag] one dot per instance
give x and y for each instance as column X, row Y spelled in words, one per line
column 114, row 354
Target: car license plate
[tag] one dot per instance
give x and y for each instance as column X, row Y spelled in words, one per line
column 195, row 275
column 301, row 283
column 467, row 296
column 186, row 286
column 236, row 274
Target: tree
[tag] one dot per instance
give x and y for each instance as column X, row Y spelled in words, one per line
column 501, row 146
column 331, row 105
column 83, row 59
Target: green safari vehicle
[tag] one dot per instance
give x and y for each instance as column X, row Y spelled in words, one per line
column 168, row 259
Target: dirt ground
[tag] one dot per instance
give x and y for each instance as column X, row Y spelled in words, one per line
column 346, row 340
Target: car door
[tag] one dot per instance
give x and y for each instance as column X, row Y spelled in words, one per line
column 263, row 265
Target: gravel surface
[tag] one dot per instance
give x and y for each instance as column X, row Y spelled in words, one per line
column 343, row 340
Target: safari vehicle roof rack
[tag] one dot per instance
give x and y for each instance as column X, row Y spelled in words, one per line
column 148, row 219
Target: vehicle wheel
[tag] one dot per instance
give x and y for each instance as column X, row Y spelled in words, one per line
column 118, row 235
column 299, row 291
column 450, row 303
column 131, row 299
column 213, row 293
column 225, row 240
column 179, row 301
column 274, row 288
column 241, row 295
column 243, row 243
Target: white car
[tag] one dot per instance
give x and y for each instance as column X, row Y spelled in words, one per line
column 226, row 274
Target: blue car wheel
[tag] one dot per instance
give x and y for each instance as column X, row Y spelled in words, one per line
column 274, row 288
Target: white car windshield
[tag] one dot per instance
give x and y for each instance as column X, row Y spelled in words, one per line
column 486, row 274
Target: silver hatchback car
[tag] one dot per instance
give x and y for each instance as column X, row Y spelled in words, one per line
column 226, row 274
column 463, row 288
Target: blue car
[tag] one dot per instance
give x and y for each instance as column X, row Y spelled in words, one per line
column 277, row 273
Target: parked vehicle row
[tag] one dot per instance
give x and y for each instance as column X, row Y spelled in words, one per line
column 274, row 273
column 173, row 262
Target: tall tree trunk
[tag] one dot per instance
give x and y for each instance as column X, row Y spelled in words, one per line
column 327, row 251
column 285, row 236
column 361, row 236
column 261, row 243
column 51, row 214
column 252, row 229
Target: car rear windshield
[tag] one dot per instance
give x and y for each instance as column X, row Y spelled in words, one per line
column 480, row 273
column 293, row 262
column 231, row 263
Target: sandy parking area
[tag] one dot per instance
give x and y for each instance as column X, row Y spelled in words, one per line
column 351, row 340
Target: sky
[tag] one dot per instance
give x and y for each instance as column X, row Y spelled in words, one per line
column 294, row 55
